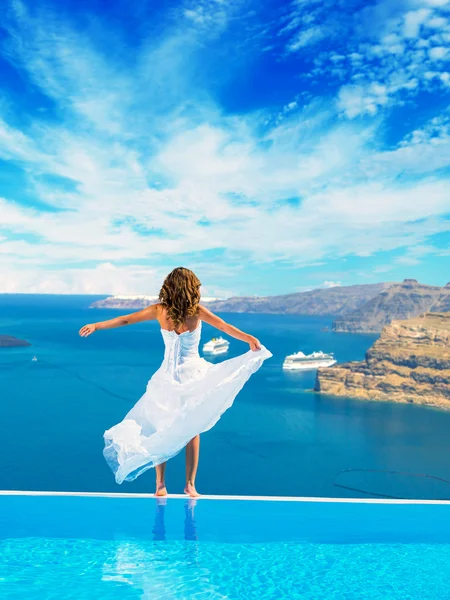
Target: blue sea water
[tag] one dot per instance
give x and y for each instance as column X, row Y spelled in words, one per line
column 130, row 548
column 279, row 438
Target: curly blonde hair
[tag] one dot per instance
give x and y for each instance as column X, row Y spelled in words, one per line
column 180, row 295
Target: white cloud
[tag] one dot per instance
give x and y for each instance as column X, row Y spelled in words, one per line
column 437, row 3
column 208, row 13
column 437, row 23
column 355, row 100
column 330, row 284
column 386, row 45
column 414, row 255
column 105, row 278
column 413, row 21
column 174, row 165
column 438, row 52
column 305, row 38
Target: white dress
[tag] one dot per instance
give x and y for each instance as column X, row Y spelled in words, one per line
column 186, row 396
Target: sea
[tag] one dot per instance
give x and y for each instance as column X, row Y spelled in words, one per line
column 280, row 438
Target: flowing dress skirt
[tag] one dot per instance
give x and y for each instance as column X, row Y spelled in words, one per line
column 180, row 402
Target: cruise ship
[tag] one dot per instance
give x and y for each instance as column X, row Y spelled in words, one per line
column 301, row 362
column 216, row 346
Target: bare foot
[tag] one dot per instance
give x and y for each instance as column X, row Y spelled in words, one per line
column 191, row 491
column 161, row 490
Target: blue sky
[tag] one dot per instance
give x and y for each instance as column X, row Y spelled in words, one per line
column 270, row 146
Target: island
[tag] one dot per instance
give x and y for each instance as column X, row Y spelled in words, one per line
column 127, row 302
column 334, row 301
column 410, row 362
column 133, row 302
column 365, row 308
column 400, row 301
column 9, row 341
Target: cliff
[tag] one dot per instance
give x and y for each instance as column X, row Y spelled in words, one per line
column 442, row 304
column 410, row 362
column 400, row 301
column 330, row 301
column 8, row 341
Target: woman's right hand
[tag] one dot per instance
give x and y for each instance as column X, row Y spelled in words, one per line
column 254, row 343
column 87, row 329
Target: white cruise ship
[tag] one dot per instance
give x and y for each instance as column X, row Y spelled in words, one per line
column 216, row 346
column 301, row 362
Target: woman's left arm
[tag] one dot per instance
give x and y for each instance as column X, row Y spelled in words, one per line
column 217, row 322
column 147, row 314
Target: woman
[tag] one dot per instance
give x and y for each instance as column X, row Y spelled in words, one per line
column 186, row 396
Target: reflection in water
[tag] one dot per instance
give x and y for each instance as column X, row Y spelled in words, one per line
column 174, row 570
column 190, row 527
column 159, row 528
column 190, row 534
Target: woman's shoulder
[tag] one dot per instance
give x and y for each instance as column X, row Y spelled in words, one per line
column 159, row 310
column 202, row 310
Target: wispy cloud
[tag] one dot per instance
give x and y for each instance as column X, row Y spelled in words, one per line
column 306, row 37
column 383, row 53
column 155, row 171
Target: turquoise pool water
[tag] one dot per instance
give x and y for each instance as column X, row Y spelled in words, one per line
column 129, row 548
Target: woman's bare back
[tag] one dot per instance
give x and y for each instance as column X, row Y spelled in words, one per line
column 190, row 324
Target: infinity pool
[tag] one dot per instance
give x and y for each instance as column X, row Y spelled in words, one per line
column 96, row 547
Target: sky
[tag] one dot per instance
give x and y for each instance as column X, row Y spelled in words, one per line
column 270, row 146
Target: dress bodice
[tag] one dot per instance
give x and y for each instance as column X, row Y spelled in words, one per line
column 180, row 347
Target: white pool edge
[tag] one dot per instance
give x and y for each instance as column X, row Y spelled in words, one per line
column 211, row 497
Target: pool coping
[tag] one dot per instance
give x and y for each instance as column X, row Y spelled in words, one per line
column 224, row 497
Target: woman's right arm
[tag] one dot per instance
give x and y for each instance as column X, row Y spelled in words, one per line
column 217, row 322
column 147, row 314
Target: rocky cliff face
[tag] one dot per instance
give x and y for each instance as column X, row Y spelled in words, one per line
column 442, row 304
column 400, row 301
column 410, row 362
column 332, row 301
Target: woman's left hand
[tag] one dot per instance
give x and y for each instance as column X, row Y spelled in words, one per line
column 87, row 330
column 254, row 343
